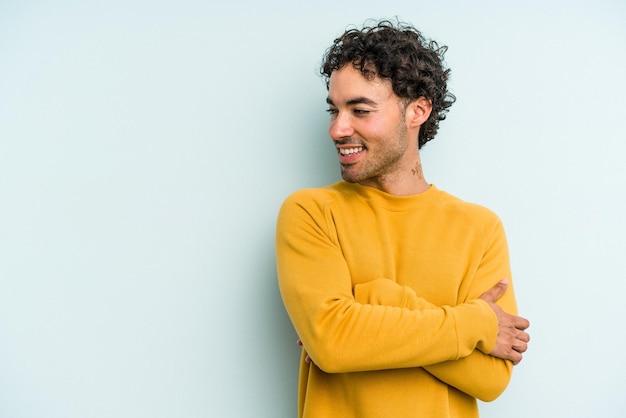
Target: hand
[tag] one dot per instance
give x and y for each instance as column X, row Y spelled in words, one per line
column 512, row 339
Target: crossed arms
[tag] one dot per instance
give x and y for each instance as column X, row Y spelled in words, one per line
column 495, row 366
column 380, row 324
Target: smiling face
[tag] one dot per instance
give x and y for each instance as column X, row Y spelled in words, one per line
column 369, row 128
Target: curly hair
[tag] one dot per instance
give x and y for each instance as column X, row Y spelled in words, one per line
column 400, row 53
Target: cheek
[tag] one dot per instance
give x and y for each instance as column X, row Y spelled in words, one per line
column 376, row 129
column 385, row 124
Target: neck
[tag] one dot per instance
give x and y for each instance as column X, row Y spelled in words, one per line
column 406, row 181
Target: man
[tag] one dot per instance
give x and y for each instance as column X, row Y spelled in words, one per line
column 398, row 291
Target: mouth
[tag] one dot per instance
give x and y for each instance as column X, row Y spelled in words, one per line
column 350, row 153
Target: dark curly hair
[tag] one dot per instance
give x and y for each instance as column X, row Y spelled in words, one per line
column 398, row 52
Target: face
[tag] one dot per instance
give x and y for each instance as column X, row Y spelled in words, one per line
column 368, row 127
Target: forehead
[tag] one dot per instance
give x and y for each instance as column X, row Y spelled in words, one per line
column 348, row 82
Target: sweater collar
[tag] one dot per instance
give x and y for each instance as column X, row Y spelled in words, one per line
column 379, row 198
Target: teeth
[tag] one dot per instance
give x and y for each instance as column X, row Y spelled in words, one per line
column 349, row 151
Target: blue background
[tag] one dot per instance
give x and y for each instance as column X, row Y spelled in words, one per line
column 146, row 146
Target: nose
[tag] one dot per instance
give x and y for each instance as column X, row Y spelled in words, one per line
column 340, row 126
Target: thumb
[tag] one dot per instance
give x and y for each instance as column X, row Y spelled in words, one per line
column 496, row 292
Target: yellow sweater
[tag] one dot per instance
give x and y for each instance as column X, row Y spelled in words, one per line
column 382, row 290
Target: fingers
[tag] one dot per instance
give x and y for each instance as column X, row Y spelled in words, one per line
column 520, row 344
column 496, row 292
column 509, row 320
column 520, row 347
column 517, row 349
column 511, row 343
column 510, row 351
column 520, row 323
column 512, row 339
column 516, row 358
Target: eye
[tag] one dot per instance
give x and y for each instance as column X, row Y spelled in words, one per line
column 331, row 111
column 361, row 112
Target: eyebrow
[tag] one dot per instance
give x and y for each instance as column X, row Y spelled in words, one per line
column 355, row 101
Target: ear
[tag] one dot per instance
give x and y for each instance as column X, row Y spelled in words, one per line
column 418, row 111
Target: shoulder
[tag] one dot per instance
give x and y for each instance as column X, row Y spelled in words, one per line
column 311, row 202
column 318, row 197
column 457, row 208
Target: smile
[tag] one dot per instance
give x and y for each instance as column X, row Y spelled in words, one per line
column 350, row 151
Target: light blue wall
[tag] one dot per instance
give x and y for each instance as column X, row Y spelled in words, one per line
column 145, row 147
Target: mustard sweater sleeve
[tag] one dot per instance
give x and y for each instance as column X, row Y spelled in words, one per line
column 479, row 374
column 343, row 335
